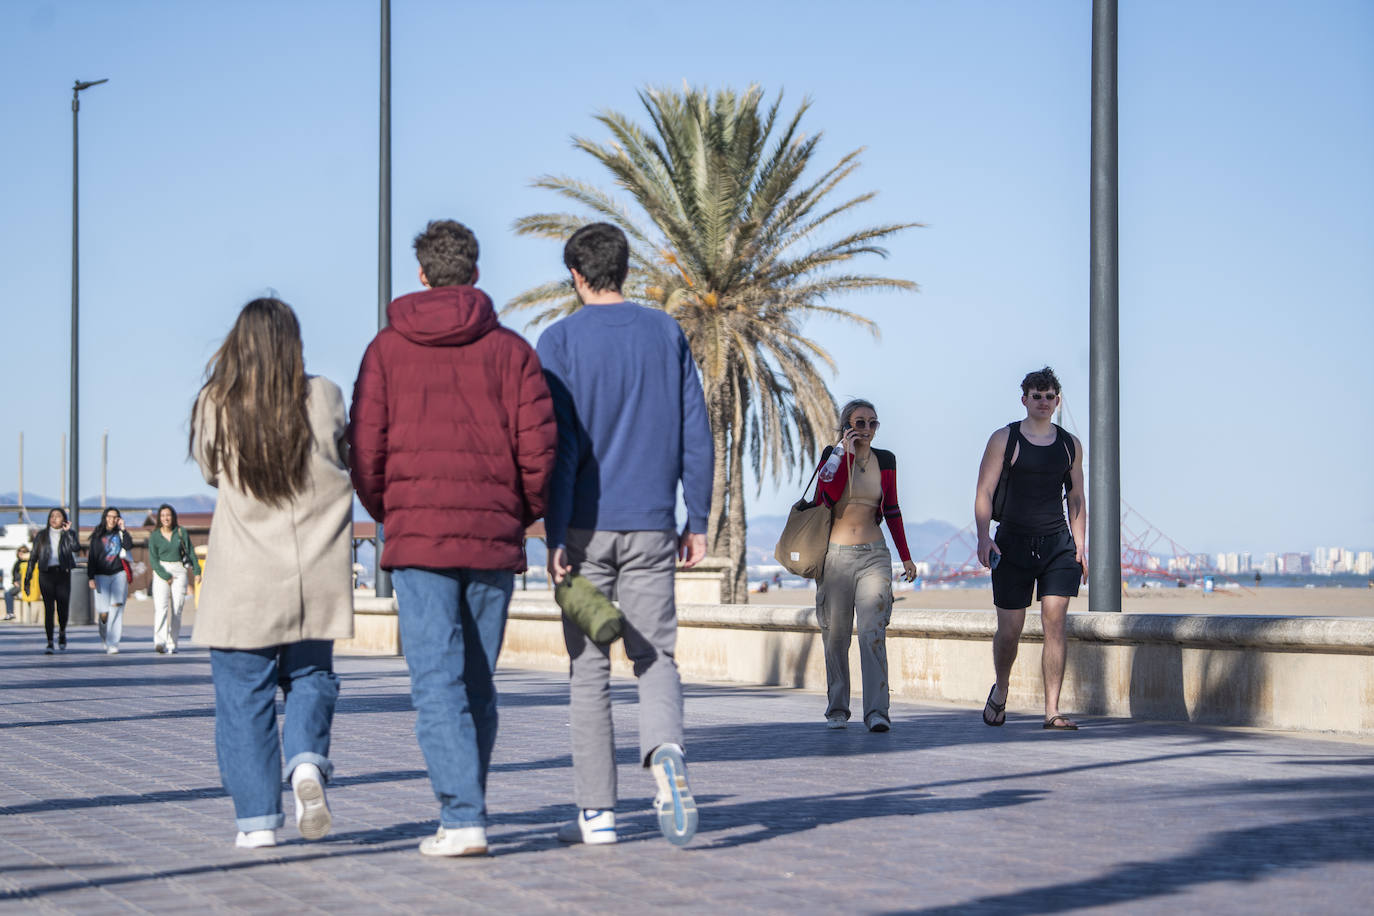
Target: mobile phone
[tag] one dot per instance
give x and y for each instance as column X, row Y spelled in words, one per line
column 993, row 559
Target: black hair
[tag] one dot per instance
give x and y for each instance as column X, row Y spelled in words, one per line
column 447, row 252
column 60, row 511
column 175, row 524
column 100, row 528
column 1041, row 380
column 600, row 253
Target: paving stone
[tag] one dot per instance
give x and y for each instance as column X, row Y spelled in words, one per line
column 110, row 802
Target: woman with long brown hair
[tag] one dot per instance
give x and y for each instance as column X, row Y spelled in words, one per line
column 277, row 589
column 173, row 561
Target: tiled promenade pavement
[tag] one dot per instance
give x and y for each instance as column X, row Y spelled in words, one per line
column 110, row 802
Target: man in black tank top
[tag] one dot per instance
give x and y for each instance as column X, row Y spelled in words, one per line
column 1030, row 470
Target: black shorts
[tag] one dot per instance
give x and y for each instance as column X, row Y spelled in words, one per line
column 1045, row 562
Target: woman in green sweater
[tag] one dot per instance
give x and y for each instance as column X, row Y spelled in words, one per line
column 173, row 560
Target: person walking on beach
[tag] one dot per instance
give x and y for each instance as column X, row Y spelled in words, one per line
column 631, row 425
column 272, row 440
column 453, row 441
column 173, row 560
column 110, row 544
column 21, row 557
column 859, row 484
column 54, row 557
column 1035, row 547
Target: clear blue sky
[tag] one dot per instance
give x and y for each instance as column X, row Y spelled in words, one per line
column 234, row 152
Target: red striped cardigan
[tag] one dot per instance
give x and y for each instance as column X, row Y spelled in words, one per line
column 832, row 491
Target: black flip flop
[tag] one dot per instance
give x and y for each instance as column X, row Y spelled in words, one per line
column 995, row 709
column 1051, row 723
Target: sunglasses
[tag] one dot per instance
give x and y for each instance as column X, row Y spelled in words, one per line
column 861, row 423
column 1037, row 396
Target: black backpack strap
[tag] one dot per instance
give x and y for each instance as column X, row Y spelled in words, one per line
column 1073, row 455
column 1068, row 443
column 999, row 493
column 1012, row 429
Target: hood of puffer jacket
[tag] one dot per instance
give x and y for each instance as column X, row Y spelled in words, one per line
column 447, row 316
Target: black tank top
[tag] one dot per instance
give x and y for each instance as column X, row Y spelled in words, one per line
column 1035, row 494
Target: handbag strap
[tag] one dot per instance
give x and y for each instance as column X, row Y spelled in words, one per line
column 807, row 489
column 847, row 484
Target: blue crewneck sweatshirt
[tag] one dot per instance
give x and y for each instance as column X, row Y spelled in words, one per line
column 631, row 423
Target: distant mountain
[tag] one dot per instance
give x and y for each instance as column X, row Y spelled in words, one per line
column 922, row 537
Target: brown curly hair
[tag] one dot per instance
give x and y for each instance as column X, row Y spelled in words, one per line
column 1040, row 380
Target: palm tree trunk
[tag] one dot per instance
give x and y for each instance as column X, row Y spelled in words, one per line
column 717, row 531
column 737, row 579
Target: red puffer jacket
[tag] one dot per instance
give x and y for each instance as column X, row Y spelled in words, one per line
column 452, row 437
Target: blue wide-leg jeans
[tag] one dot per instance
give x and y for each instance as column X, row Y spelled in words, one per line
column 246, row 682
column 452, row 623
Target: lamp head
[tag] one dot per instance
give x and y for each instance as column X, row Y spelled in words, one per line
column 78, row 85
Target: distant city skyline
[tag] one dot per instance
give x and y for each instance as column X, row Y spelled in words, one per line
column 37, row 505
column 234, row 151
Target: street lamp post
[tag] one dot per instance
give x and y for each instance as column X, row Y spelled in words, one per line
column 80, row 609
column 382, row 579
column 1104, row 442
column 75, row 490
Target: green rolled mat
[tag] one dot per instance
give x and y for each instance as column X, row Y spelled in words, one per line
column 592, row 611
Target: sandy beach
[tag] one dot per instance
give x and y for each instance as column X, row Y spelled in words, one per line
column 1304, row 602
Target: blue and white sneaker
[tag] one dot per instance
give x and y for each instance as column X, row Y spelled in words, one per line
column 676, row 810
column 593, row 826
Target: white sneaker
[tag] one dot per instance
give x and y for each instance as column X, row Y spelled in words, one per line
column 837, row 720
column 112, row 650
column 458, row 841
column 676, row 809
column 312, row 810
column 593, row 826
column 256, row 839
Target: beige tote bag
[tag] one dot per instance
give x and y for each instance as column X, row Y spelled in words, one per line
column 805, row 537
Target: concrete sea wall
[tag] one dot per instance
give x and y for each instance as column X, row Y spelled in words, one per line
column 1298, row 673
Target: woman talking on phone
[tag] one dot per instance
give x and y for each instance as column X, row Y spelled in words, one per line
column 859, row 484
column 110, row 543
column 54, row 556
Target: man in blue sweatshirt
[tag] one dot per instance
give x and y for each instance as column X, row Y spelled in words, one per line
column 631, row 425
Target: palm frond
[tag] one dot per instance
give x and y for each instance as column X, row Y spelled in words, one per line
column 728, row 217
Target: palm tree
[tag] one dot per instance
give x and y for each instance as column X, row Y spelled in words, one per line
column 724, row 240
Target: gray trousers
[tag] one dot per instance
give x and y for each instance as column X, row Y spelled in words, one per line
column 635, row 568
column 856, row 581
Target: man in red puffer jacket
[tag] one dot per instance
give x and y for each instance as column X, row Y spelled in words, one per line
column 452, row 443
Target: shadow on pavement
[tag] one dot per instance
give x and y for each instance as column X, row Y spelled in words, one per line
column 1235, row 855
column 259, row 858
column 775, row 817
column 195, row 713
column 142, row 681
column 772, row 740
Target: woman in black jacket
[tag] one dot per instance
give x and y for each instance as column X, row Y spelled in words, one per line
column 54, row 556
column 110, row 543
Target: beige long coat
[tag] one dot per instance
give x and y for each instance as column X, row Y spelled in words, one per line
column 281, row 575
